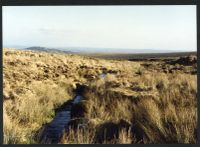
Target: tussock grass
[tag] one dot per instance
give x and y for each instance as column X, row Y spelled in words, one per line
column 131, row 104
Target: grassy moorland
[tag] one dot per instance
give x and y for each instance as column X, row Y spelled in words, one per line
column 141, row 56
column 136, row 102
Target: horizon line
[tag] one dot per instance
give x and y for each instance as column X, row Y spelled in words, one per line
column 68, row 47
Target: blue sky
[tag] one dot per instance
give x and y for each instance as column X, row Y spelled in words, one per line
column 134, row 27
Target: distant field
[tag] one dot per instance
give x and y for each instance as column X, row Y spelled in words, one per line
column 141, row 56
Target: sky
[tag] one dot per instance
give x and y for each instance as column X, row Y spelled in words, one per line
column 132, row 27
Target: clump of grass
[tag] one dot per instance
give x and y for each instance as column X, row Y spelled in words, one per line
column 126, row 137
column 79, row 136
column 140, row 71
column 153, row 119
column 147, row 118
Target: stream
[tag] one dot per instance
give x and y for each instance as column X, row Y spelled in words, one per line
column 53, row 131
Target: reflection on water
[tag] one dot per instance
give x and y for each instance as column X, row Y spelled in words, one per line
column 103, row 75
column 54, row 130
column 77, row 99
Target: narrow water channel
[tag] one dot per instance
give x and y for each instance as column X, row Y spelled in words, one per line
column 53, row 131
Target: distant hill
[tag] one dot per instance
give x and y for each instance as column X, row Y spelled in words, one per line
column 89, row 50
column 44, row 49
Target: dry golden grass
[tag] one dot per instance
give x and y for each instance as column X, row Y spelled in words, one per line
column 132, row 104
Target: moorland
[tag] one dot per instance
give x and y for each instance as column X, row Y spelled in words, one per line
column 130, row 100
